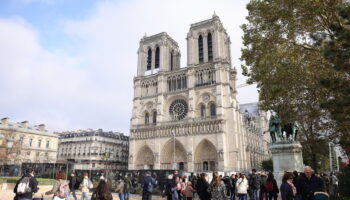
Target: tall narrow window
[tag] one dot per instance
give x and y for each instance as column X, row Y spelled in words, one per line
column 210, row 47
column 154, row 117
column 149, row 59
column 47, row 144
column 171, row 60
column 39, row 143
column 156, row 64
column 202, row 111
column 146, row 119
column 200, row 49
column 212, row 110
column 30, row 142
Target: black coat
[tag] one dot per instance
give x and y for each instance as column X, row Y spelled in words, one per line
column 202, row 186
column 274, row 184
column 73, row 184
column 308, row 186
column 33, row 184
column 286, row 191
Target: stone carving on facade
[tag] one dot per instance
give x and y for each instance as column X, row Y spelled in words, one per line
column 189, row 156
column 206, row 98
column 221, row 154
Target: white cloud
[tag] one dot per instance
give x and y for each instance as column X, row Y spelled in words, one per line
column 93, row 89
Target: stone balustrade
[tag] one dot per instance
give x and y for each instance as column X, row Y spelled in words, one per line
column 188, row 128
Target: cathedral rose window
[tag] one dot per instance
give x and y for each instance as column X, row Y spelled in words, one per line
column 178, row 109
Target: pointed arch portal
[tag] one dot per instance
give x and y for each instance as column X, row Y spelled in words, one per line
column 145, row 158
column 167, row 155
column 206, row 156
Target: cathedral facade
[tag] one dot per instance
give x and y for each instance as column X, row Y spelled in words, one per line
column 188, row 118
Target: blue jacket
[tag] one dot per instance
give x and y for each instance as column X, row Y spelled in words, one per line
column 148, row 184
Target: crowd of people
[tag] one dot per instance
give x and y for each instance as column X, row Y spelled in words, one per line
column 306, row 185
column 255, row 186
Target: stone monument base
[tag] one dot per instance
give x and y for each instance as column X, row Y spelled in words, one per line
column 286, row 157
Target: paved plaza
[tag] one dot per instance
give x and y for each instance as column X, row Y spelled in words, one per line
column 9, row 195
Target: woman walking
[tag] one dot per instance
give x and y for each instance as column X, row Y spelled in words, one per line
column 271, row 187
column 60, row 188
column 102, row 192
column 288, row 190
column 217, row 188
column 242, row 187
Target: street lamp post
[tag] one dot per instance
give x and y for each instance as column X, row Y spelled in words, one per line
column 174, row 163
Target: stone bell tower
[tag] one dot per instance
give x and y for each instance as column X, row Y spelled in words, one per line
column 208, row 41
column 157, row 53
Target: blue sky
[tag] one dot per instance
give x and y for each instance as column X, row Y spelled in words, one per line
column 70, row 63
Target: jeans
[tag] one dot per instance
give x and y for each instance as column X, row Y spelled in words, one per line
column 126, row 195
column 72, row 193
column 24, row 199
column 272, row 195
column 242, row 196
column 85, row 196
column 121, row 196
column 232, row 195
column 255, row 195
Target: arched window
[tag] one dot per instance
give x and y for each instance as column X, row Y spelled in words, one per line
column 200, row 49
column 156, row 63
column 146, row 119
column 202, row 111
column 171, row 60
column 213, row 110
column 149, row 59
column 210, row 47
column 154, row 117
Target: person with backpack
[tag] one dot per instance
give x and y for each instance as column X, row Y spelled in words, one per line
column 85, row 186
column 60, row 188
column 102, row 192
column 26, row 186
column 271, row 187
column 73, row 185
column 148, row 185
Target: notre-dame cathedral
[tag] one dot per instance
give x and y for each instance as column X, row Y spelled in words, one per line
column 188, row 118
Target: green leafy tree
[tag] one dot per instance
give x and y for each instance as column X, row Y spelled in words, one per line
column 280, row 55
column 267, row 165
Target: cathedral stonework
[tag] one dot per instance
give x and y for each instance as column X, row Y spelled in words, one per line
column 188, row 118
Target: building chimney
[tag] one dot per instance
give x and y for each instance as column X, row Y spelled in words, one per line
column 41, row 127
column 24, row 124
column 5, row 120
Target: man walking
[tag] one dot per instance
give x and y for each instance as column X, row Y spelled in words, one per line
column 26, row 186
column 254, row 185
column 148, row 185
column 308, row 184
column 72, row 186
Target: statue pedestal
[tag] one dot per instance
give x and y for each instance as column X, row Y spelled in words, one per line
column 286, row 157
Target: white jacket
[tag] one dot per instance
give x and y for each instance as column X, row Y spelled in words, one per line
column 242, row 186
column 85, row 184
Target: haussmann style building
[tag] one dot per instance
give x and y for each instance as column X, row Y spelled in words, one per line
column 188, row 118
column 94, row 149
column 22, row 143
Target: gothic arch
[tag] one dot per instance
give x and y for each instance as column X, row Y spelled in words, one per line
column 167, row 154
column 144, row 158
column 205, row 156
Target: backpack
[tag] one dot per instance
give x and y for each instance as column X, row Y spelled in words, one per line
column 90, row 185
column 150, row 187
column 269, row 186
column 63, row 189
column 23, row 186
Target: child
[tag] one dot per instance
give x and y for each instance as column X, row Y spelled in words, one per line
column 189, row 191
